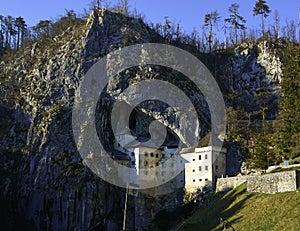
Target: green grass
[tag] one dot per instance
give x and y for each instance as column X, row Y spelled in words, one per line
column 279, row 169
column 249, row 212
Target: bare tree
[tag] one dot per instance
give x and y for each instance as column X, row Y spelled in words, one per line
column 123, row 6
column 290, row 31
column 276, row 26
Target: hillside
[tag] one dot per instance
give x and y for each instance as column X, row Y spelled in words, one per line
column 57, row 191
column 248, row 211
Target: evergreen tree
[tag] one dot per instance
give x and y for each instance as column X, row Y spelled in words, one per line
column 288, row 136
column 236, row 20
column 21, row 27
column 211, row 20
column 263, row 9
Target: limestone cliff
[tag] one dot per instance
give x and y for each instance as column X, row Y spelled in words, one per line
column 43, row 179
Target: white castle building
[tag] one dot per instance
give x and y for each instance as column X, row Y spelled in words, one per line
column 205, row 163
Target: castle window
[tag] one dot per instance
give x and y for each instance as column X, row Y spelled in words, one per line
column 206, row 179
column 200, row 179
column 132, row 154
column 156, row 155
column 152, row 154
column 193, row 159
column 172, row 154
column 181, row 181
column 146, row 153
column 205, row 156
column 206, row 168
column 163, row 155
column 217, row 167
column 199, row 157
column 132, row 162
column 194, row 180
column 200, row 168
column 193, row 170
column 157, row 164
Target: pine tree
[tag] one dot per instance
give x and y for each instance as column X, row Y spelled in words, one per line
column 288, row 136
column 236, row 20
column 211, row 20
column 21, row 27
column 263, row 9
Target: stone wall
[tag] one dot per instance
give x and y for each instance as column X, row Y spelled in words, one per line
column 270, row 183
column 273, row 183
column 225, row 184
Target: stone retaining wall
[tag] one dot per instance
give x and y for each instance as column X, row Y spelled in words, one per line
column 269, row 183
column 273, row 183
column 225, row 184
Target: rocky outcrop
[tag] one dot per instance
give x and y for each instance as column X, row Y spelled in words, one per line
column 42, row 173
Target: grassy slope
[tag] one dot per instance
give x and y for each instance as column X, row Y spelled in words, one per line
column 249, row 211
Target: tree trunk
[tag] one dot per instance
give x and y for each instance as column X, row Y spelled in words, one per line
column 263, row 26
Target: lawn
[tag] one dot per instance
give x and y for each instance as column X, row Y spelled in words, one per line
column 249, row 212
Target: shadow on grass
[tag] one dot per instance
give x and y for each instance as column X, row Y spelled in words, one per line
column 218, row 212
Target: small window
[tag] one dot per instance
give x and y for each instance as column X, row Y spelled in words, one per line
column 152, row 154
column 157, row 164
column 217, row 167
column 200, row 179
column 156, row 155
column 206, row 168
column 205, row 156
column 145, row 163
column 206, row 179
column 163, row 155
column 193, row 159
column 132, row 154
column 200, row 168
column 172, row 154
column 146, row 153
column 193, row 170
column 122, row 163
column 133, row 162
column 181, row 181
column 199, row 157
column 172, row 182
column 194, row 180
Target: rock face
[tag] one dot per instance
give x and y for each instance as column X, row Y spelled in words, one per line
column 42, row 176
